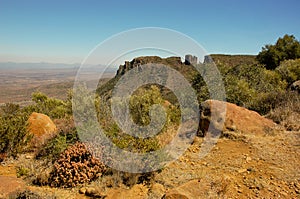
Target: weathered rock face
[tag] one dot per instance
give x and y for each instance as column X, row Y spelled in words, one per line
column 208, row 59
column 174, row 61
column 236, row 118
column 296, row 86
column 190, row 59
column 41, row 127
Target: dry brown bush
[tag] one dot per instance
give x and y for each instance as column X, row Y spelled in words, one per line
column 76, row 165
column 287, row 112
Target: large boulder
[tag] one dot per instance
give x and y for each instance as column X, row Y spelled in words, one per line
column 42, row 128
column 236, row 118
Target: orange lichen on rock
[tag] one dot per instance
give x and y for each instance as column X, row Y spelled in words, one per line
column 236, row 118
column 41, row 127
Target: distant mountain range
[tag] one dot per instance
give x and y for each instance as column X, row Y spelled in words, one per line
column 230, row 59
column 41, row 65
column 47, row 66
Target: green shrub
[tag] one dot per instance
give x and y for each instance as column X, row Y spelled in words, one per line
column 57, row 145
column 9, row 109
column 139, row 105
column 289, row 71
column 52, row 107
column 253, row 87
column 269, row 90
column 22, row 171
column 53, row 148
column 238, row 91
column 141, row 102
column 13, row 121
column 13, row 133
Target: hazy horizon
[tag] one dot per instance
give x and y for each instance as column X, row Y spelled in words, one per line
column 66, row 32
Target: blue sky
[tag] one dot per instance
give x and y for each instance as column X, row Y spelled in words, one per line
column 66, row 31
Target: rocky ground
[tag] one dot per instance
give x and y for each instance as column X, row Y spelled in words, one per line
column 244, row 167
column 254, row 158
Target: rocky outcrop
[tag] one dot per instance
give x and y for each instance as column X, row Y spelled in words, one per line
column 42, row 128
column 190, row 59
column 174, row 62
column 208, row 59
column 236, row 118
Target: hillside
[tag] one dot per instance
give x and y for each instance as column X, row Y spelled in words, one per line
column 232, row 60
column 241, row 165
column 256, row 155
column 188, row 71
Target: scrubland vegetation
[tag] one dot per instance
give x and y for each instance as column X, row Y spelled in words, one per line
column 259, row 83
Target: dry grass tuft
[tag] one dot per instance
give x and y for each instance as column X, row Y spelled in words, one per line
column 287, row 112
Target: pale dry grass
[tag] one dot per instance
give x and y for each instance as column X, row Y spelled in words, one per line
column 287, row 112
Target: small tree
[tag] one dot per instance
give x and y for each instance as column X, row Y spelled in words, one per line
column 285, row 48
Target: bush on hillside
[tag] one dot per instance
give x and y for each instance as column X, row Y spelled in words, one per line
column 54, row 108
column 67, row 136
column 250, row 86
column 139, row 105
column 13, row 121
column 286, row 111
column 13, row 132
column 289, row 71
